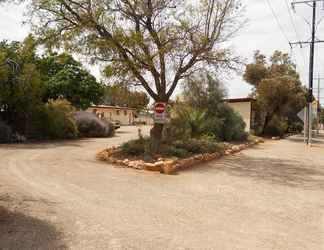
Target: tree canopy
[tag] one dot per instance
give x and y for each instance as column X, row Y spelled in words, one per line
column 278, row 90
column 154, row 43
column 64, row 77
column 28, row 81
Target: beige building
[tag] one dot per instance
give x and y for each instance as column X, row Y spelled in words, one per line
column 145, row 118
column 125, row 115
column 244, row 106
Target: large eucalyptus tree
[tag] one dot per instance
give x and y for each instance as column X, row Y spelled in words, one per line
column 151, row 43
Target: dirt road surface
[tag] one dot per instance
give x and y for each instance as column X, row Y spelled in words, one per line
column 57, row 196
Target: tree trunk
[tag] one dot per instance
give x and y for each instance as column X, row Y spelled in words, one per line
column 156, row 138
column 265, row 125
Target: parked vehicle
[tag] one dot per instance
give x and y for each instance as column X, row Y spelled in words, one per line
column 116, row 124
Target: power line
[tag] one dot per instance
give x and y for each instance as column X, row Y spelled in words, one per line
column 283, row 32
column 295, row 29
column 277, row 19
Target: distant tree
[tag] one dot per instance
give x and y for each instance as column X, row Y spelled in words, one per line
column 122, row 96
column 278, row 90
column 64, row 77
column 153, row 43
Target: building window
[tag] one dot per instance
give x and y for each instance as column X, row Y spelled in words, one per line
column 125, row 112
column 117, row 112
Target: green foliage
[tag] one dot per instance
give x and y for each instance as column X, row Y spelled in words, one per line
column 186, row 122
column 136, row 147
column 277, row 126
column 20, row 84
column 58, row 121
column 89, row 125
column 203, row 112
column 64, row 77
column 198, row 146
column 179, row 148
column 278, row 90
column 136, row 39
column 233, row 126
column 176, row 152
column 27, row 85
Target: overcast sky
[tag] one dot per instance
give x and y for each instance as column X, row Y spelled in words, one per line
column 261, row 33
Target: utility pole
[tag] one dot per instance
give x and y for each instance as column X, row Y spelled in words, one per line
column 309, row 118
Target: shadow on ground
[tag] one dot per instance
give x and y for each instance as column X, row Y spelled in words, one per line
column 274, row 171
column 19, row 231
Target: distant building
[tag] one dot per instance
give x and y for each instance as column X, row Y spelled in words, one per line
column 125, row 115
column 145, row 118
column 245, row 107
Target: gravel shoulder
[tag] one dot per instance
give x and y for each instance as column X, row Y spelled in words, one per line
column 57, row 196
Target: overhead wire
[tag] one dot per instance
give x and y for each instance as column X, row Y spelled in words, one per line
column 284, row 33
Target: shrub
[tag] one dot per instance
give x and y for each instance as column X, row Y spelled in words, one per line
column 233, row 128
column 186, row 122
column 295, row 127
column 177, row 152
column 277, row 126
column 5, row 133
column 135, row 147
column 89, row 125
column 179, row 148
column 58, row 121
column 198, row 146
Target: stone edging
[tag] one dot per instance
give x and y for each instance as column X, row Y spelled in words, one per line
column 169, row 166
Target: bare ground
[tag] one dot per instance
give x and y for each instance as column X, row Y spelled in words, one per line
column 57, row 196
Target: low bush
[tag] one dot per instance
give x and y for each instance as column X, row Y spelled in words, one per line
column 188, row 122
column 136, row 147
column 179, row 148
column 5, row 133
column 198, row 146
column 89, row 125
column 233, row 128
column 176, row 152
column 276, row 127
column 58, row 121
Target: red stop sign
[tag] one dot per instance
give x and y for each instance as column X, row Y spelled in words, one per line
column 160, row 107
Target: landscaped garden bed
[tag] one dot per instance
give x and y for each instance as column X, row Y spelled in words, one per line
column 130, row 155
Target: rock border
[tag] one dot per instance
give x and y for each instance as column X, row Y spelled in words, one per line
column 171, row 166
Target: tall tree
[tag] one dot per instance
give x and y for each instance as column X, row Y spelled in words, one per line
column 278, row 90
column 154, row 43
column 20, row 86
column 64, row 77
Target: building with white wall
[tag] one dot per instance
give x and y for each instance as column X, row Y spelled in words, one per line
column 244, row 107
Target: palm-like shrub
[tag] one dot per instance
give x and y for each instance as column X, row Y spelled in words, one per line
column 186, row 122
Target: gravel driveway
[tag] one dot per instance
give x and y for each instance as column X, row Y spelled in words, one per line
column 57, row 196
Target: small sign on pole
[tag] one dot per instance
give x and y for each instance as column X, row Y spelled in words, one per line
column 160, row 112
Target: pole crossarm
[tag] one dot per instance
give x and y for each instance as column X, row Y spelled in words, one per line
column 301, row 43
